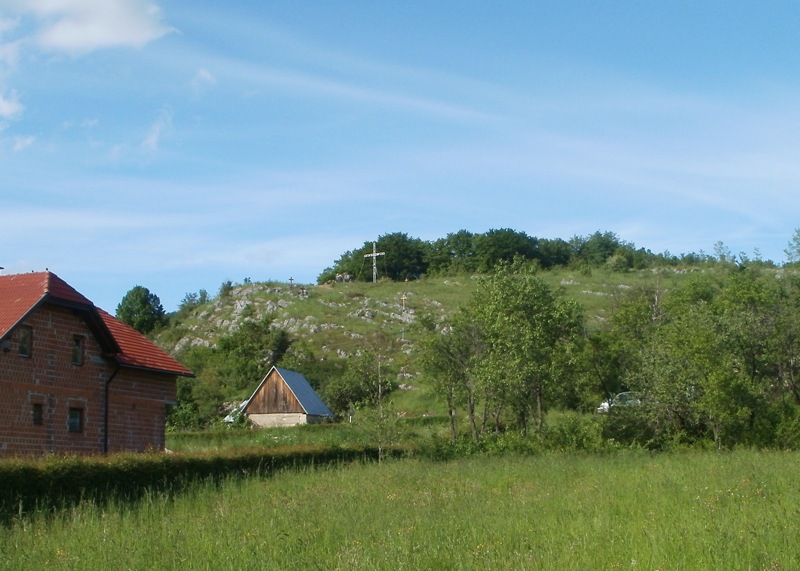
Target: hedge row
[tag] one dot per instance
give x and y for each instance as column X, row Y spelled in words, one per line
column 54, row 483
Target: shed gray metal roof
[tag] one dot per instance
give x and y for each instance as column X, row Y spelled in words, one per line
column 302, row 390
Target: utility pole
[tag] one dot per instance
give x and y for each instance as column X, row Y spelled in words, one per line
column 374, row 255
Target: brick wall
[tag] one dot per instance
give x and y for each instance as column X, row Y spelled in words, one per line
column 49, row 380
column 137, row 404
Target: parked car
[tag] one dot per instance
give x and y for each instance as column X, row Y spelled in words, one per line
column 628, row 398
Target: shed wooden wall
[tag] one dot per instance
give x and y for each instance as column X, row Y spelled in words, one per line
column 274, row 397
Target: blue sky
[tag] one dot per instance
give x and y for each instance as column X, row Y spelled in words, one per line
column 176, row 145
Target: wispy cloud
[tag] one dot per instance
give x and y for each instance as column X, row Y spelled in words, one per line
column 356, row 90
column 10, row 107
column 161, row 126
column 203, row 78
column 9, row 51
column 81, row 26
column 22, row 143
column 75, row 27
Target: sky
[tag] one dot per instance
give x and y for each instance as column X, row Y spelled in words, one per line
column 177, row 145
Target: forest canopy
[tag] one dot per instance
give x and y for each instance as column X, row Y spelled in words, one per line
column 401, row 257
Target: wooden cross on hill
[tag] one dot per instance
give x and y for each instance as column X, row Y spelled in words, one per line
column 374, row 255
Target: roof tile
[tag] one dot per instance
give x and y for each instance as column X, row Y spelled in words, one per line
column 138, row 351
column 21, row 293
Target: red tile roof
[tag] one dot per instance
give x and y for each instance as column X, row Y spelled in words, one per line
column 138, row 351
column 20, row 294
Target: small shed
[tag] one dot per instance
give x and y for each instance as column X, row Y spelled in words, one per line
column 284, row 398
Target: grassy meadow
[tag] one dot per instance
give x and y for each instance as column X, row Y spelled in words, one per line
column 624, row 510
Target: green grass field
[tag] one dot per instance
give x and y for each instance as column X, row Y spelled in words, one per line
column 627, row 510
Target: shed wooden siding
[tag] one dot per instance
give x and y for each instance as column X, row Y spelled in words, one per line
column 274, row 397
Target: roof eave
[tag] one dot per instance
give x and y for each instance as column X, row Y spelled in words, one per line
column 124, row 365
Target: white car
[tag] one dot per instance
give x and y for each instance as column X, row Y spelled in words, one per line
column 628, row 398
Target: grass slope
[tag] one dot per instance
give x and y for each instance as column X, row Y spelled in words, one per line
column 337, row 321
column 560, row 511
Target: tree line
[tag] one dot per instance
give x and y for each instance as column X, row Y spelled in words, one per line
column 716, row 360
column 406, row 258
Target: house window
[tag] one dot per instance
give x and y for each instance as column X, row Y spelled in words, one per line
column 25, row 341
column 37, row 411
column 75, row 421
column 77, row 349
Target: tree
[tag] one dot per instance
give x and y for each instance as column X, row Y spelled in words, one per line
column 453, row 254
column 503, row 245
column 720, row 352
column 554, row 253
column 246, row 355
column 356, row 385
column 192, row 301
column 530, row 334
column 596, row 249
column 404, row 258
column 792, row 251
column 141, row 309
column 350, row 263
column 447, row 357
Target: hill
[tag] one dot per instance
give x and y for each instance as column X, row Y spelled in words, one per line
column 333, row 322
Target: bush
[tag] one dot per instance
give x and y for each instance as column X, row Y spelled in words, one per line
column 57, row 482
column 630, row 426
column 575, row 431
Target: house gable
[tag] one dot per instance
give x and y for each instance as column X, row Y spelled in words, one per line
column 85, row 382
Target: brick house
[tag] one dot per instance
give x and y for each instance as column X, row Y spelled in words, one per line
column 73, row 378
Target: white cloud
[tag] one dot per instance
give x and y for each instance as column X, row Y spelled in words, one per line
column 7, row 24
column 80, row 26
column 8, row 50
column 202, row 78
column 10, row 107
column 22, row 143
column 162, row 125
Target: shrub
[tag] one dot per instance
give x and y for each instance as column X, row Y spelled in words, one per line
column 574, row 432
column 62, row 481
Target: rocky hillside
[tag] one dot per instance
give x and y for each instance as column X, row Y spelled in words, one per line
column 339, row 320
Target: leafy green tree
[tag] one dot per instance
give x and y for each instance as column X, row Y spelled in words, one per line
column 553, row 253
column 503, row 245
column 793, row 249
column 246, row 355
column 189, row 302
column 404, row 257
column 192, row 301
column 448, row 358
column 357, row 385
column 709, row 366
column 318, row 371
column 351, row 263
column 141, row 309
column 595, row 250
column 453, row 254
column 531, row 335
column 225, row 289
